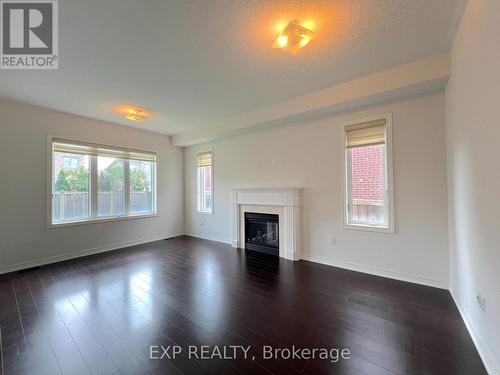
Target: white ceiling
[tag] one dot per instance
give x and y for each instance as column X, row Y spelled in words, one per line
column 195, row 63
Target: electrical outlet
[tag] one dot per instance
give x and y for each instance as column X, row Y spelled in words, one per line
column 202, row 223
column 36, row 242
column 331, row 240
column 481, row 300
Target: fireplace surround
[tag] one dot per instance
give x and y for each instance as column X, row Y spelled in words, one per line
column 283, row 202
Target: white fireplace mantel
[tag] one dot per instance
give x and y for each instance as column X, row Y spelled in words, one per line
column 284, row 202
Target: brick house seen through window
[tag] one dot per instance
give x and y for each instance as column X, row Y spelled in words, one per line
column 368, row 183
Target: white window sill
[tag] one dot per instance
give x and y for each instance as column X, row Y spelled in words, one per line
column 368, row 228
column 206, row 213
column 100, row 220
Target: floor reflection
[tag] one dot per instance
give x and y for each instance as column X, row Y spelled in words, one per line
column 101, row 314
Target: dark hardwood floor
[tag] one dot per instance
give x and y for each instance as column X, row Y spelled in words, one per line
column 100, row 315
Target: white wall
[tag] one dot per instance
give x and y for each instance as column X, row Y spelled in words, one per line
column 473, row 136
column 308, row 155
column 23, row 169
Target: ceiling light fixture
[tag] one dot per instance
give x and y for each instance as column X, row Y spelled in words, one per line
column 293, row 37
column 136, row 115
column 132, row 112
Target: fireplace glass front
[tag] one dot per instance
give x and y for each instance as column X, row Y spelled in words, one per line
column 262, row 233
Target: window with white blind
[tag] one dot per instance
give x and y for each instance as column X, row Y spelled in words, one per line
column 91, row 182
column 205, row 179
column 369, row 202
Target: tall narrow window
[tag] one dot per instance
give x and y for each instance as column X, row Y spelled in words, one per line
column 95, row 182
column 205, row 182
column 369, row 201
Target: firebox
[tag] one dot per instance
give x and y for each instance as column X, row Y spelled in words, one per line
column 262, row 233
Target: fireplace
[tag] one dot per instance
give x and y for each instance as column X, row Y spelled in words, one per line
column 284, row 202
column 262, row 233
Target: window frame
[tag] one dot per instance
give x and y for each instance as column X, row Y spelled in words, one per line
column 93, row 219
column 389, row 201
column 197, row 196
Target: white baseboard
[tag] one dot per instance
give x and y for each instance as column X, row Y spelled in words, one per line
column 350, row 266
column 81, row 253
column 377, row 271
column 481, row 348
column 210, row 237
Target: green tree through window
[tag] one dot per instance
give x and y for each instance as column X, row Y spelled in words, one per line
column 111, row 178
column 139, row 180
column 75, row 180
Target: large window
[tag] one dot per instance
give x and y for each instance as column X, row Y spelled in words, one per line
column 95, row 182
column 205, row 182
column 368, row 175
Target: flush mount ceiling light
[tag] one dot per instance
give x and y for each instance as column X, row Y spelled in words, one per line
column 132, row 112
column 293, row 38
column 136, row 115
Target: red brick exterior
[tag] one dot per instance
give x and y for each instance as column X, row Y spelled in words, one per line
column 368, row 173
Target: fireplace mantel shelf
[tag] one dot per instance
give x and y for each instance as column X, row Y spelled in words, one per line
column 270, row 190
column 288, row 203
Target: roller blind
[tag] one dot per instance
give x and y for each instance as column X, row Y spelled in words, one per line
column 84, row 148
column 205, row 159
column 366, row 134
